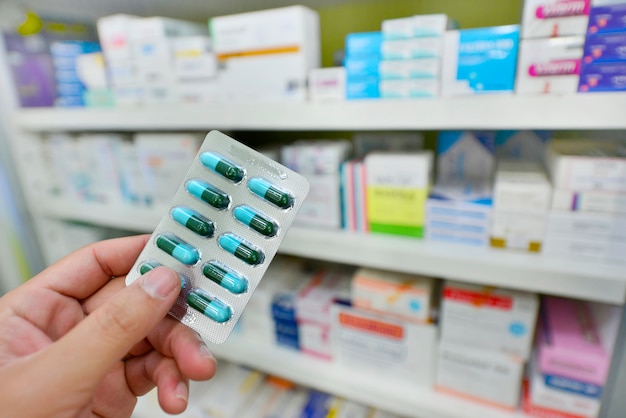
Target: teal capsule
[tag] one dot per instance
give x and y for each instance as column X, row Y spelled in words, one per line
column 250, row 217
column 208, row 194
column 271, row 193
column 151, row 265
column 228, row 279
column 178, row 249
column 243, row 251
column 209, row 306
column 193, row 221
column 222, row 166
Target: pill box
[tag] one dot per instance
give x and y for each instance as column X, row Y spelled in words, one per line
column 222, row 230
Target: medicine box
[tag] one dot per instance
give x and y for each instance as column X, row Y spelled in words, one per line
column 521, row 186
column 363, row 45
column 407, row 69
column 403, row 49
column 518, row 230
column 114, row 36
column 431, row 25
column 609, row 249
column 478, row 61
column 397, row 187
column 552, row 18
column 382, row 346
column 361, row 67
column 327, row 84
column 600, row 202
column 605, row 18
column 282, row 58
column 587, row 166
column 568, row 343
column 193, row 58
column 465, row 155
column 603, row 76
column 488, row 318
column 398, row 294
column 550, row 65
column 414, row 88
column 587, row 224
column 362, row 88
column 605, row 47
column 521, row 145
column 366, row 142
column 486, row 376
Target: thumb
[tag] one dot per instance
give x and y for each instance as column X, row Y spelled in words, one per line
column 109, row 332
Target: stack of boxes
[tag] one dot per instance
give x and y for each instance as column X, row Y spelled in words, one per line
column 604, row 61
column 411, row 52
column 195, row 69
column 570, row 366
column 552, row 46
column 588, row 217
column 486, row 337
column 362, row 57
column 521, row 200
column 71, row 85
column 459, row 206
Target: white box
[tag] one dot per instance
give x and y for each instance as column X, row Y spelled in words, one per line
column 488, row 319
column 402, row 28
column 406, row 69
column 199, row 92
column 383, row 347
column 114, row 35
column 600, row 202
column 521, row 186
column 98, row 152
column 549, row 66
column 131, row 178
column 194, row 59
column 465, row 155
column 403, row 49
column 522, row 145
column 327, row 84
column 414, row 88
column 551, row 18
column 587, row 165
column 575, row 246
column 274, row 66
column 587, row 224
column 164, row 159
column 489, row 376
column 518, row 230
column 406, row 296
column 417, row 26
column 544, row 396
column 366, row 142
column 462, row 202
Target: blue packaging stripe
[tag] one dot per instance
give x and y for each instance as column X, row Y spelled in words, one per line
column 573, row 386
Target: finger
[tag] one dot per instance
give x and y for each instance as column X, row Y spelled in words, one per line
column 113, row 398
column 146, row 372
column 81, row 273
column 105, row 336
column 102, row 296
column 173, row 339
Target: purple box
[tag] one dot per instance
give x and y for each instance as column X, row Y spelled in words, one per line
column 605, row 47
column 603, row 76
column 607, row 19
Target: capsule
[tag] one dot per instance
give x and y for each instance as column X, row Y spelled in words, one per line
column 193, row 221
column 208, row 194
column 222, row 166
column 151, row 265
column 270, row 193
column 226, row 278
column 178, row 249
column 250, row 217
column 209, row 306
column 245, row 252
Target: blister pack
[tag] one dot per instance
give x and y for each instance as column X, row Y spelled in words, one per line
column 222, row 230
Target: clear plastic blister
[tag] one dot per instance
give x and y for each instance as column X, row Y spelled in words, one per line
column 223, row 228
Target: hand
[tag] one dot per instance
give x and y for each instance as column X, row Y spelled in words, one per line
column 75, row 341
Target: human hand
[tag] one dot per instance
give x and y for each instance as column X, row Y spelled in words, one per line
column 76, row 342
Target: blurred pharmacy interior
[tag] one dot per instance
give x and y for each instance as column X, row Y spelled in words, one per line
column 462, row 251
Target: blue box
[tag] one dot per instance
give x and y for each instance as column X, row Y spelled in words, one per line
column 607, row 19
column 362, row 88
column 605, row 47
column 603, row 76
column 363, row 44
column 360, row 67
column 284, row 316
column 480, row 60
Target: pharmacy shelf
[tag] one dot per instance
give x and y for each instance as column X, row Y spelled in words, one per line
column 404, row 398
column 578, row 111
column 532, row 272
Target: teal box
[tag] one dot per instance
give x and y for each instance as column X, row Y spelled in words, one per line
column 363, row 45
column 361, row 67
column 362, row 88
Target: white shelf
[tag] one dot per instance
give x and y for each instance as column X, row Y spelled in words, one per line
column 403, row 398
column 579, row 111
column 533, row 272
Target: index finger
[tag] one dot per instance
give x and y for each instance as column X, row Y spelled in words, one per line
column 86, row 270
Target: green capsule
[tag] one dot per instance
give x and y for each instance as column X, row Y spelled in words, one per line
column 193, row 221
column 148, row 266
column 237, row 247
column 271, row 193
column 209, row 306
column 250, row 217
column 222, row 166
column 228, row 279
column 208, row 194
column 178, row 249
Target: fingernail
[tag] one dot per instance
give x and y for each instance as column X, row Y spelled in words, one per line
column 181, row 391
column 204, row 351
column 159, row 283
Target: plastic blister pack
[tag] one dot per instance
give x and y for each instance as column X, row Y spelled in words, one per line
column 222, row 230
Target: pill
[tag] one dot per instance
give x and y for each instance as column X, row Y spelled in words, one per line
column 270, row 193
column 250, row 217
column 193, row 221
column 178, row 249
column 243, row 251
column 151, row 265
column 222, row 166
column 228, row 279
column 209, row 306
column 208, row 194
